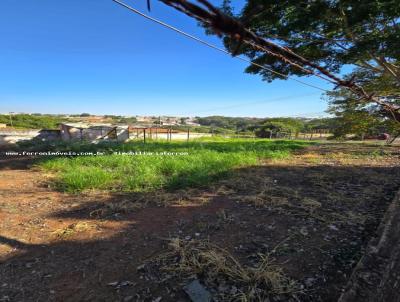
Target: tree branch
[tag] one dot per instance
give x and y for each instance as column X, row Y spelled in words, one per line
column 223, row 24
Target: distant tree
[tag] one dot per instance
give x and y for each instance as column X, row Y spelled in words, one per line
column 272, row 128
column 127, row 120
column 360, row 123
column 216, row 121
column 233, row 123
column 364, row 118
column 325, row 124
column 85, row 114
column 295, row 125
column 114, row 117
column 392, row 127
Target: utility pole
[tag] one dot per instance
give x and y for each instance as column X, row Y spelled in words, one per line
column 11, row 118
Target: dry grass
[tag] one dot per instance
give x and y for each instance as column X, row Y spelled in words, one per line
column 261, row 191
column 220, row 271
column 129, row 203
column 72, row 229
column 244, row 183
column 123, row 206
column 310, row 204
column 264, row 200
column 356, row 155
column 256, row 189
column 224, row 217
column 180, row 197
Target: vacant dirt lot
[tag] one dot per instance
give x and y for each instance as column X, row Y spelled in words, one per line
column 310, row 216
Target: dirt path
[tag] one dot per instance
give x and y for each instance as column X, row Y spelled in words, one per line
column 325, row 206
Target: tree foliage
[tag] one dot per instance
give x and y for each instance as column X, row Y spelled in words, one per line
column 233, row 123
column 274, row 127
column 331, row 33
column 364, row 118
column 261, row 126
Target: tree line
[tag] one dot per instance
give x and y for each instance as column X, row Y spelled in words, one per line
column 344, row 122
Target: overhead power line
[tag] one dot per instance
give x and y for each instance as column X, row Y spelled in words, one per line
column 187, row 35
column 252, row 103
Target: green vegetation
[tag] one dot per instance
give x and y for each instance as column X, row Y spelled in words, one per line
column 203, row 129
column 363, row 118
column 262, row 126
column 329, row 33
column 206, row 160
column 122, row 120
column 29, row 121
column 270, row 128
column 233, row 123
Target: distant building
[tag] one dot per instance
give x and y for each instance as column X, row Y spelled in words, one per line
column 3, row 125
column 189, row 123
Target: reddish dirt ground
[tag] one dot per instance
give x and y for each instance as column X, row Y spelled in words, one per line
column 53, row 248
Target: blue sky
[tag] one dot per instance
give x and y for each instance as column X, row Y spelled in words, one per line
column 94, row 56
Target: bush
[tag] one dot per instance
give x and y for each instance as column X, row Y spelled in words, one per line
column 270, row 129
column 28, row 121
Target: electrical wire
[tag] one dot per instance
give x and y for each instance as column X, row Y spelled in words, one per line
column 251, row 103
column 213, row 46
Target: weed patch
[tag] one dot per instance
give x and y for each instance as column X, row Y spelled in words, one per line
column 72, row 229
column 223, row 274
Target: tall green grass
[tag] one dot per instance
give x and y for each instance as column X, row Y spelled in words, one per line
column 207, row 160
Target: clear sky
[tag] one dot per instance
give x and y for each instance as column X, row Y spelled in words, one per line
column 74, row 56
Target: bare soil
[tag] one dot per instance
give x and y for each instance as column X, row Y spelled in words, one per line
column 314, row 214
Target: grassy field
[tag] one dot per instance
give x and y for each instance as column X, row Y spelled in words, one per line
column 193, row 163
